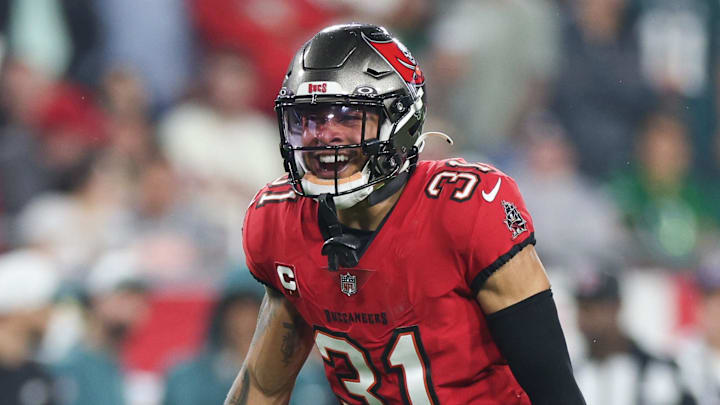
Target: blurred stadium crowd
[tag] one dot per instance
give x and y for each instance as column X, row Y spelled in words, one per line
column 134, row 133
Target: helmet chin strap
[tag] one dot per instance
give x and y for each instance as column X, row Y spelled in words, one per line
column 388, row 189
column 341, row 249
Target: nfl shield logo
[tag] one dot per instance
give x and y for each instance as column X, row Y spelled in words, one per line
column 348, row 284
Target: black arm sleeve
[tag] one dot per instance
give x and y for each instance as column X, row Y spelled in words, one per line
column 529, row 336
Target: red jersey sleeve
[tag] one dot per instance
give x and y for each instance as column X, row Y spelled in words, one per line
column 256, row 243
column 502, row 228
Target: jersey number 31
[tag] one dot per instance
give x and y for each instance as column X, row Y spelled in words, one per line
column 404, row 356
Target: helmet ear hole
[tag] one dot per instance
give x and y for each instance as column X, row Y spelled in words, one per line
column 385, row 164
column 398, row 107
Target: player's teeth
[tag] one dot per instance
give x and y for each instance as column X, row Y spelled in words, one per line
column 331, row 158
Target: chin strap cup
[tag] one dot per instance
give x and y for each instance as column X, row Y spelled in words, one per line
column 341, row 250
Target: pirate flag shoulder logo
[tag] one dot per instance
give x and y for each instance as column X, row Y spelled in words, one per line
column 513, row 219
column 348, row 284
column 399, row 57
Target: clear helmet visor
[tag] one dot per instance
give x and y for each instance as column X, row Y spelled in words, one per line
column 328, row 138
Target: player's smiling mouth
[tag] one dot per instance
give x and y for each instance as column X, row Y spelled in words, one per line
column 325, row 165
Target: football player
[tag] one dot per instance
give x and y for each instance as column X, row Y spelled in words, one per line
column 417, row 281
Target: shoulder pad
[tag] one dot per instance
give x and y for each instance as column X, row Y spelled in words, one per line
column 277, row 191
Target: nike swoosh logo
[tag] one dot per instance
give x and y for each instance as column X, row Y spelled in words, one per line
column 489, row 197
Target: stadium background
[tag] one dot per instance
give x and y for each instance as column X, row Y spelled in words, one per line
column 133, row 135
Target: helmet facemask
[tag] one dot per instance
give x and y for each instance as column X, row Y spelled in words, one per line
column 338, row 146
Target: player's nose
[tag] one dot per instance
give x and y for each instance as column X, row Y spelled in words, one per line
column 330, row 134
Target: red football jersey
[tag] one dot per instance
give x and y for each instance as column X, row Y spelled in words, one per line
column 403, row 326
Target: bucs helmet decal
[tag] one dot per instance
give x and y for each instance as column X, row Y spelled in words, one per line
column 399, row 58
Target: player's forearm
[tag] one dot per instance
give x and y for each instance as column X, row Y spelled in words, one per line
column 245, row 390
column 531, row 339
column 279, row 348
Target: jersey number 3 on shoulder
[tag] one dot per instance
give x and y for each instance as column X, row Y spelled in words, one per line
column 404, row 356
column 463, row 183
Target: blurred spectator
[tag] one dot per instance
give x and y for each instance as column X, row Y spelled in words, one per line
column 575, row 220
column 85, row 32
column 409, row 20
column 175, row 240
column 58, row 38
column 152, row 39
column 83, row 210
column 206, row 379
column 491, row 62
column 268, row 31
column 615, row 369
column 73, row 127
column 675, row 40
column 132, row 143
column 37, row 31
column 24, row 89
column 22, row 172
column 125, row 95
column 223, row 150
column 599, row 92
column 699, row 359
column 77, row 226
column 679, row 48
column 669, row 212
column 28, row 282
column 117, row 302
column 131, row 146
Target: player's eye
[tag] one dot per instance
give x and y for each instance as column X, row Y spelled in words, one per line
column 315, row 119
column 351, row 118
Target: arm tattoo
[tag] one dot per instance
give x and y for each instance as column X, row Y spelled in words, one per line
column 240, row 398
column 266, row 314
column 289, row 343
